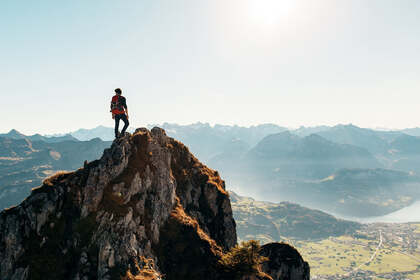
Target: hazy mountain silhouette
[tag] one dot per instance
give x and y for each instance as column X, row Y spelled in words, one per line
column 405, row 145
column 362, row 192
column 311, row 170
column 374, row 141
column 393, row 149
column 265, row 161
column 25, row 163
column 207, row 141
column 14, row 134
column 306, row 131
column 204, row 140
column 412, row 131
column 311, row 157
column 102, row 132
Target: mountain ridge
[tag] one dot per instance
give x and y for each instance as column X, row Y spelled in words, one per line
column 25, row 163
column 14, row 134
column 147, row 197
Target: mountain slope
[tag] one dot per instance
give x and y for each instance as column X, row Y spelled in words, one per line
column 102, row 132
column 204, row 141
column 311, row 157
column 117, row 209
column 363, row 192
column 271, row 222
column 371, row 140
column 24, row 163
column 147, row 200
column 207, row 141
column 14, row 134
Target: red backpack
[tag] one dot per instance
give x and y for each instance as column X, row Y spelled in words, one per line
column 116, row 105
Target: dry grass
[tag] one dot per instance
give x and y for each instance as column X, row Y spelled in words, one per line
column 179, row 215
column 213, row 178
column 50, row 181
column 147, row 271
column 244, row 260
column 185, row 166
column 12, row 158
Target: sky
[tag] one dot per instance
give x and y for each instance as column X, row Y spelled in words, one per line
column 243, row 62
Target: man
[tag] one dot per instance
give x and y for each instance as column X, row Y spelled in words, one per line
column 119, row 111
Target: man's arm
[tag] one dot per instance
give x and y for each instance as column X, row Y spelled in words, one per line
column 125, row 107
column 113, row 115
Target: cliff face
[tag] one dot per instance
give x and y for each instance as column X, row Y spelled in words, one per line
column 148, row 207
column 146, row 197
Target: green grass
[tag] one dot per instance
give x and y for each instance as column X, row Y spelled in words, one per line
column 418, row 228
column 338, row 256
column 415, row 276
column 328, row 257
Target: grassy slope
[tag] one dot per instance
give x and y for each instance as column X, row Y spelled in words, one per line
column 331, row 255
column 270, row 222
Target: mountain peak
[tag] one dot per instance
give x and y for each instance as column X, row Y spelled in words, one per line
column 101, row 220
column 13, row 133
column 346, row 126
column 146, row 206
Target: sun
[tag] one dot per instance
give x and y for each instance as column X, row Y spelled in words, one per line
column 269, row 12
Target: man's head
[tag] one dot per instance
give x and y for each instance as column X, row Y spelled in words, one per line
column 118, row 91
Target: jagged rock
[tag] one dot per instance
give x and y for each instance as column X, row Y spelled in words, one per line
column 98, row 221
column 147, row 198
column 285, row 262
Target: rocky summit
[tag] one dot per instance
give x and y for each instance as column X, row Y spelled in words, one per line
column 148, row 209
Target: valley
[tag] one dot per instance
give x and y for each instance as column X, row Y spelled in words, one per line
column 384, row 251
column 280, row 167
column 334, row 248
column 25, row 161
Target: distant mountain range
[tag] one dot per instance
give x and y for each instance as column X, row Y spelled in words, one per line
column 358, row 192
column 355, row 172
column 214, row 142
column 311, row 157
column 324, row 167
column 203, row 140
column 207, row 141
column 102, row 132
column 26, row 160
column 14, row 134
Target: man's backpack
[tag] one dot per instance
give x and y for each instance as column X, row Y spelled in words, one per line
column 116, row 104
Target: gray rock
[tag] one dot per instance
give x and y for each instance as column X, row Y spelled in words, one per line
column 285, row 262
column 99, row 221
column 148, row 200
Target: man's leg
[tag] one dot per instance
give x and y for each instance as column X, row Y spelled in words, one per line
column 117, row 124
column 126, row 123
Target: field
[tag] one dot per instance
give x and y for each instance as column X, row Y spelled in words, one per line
column 377, row 251
column 335, row 249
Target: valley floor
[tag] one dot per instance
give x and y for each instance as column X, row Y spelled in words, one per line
column 377, row 251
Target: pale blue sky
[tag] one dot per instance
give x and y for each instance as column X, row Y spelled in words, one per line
column 233, row 62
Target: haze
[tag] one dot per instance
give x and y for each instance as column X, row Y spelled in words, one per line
column 232, row 62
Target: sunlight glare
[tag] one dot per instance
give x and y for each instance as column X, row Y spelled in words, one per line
column 269, row 12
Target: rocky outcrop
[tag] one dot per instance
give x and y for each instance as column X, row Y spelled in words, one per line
column 148, row 207
column 285, row 262
column 147, row 197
